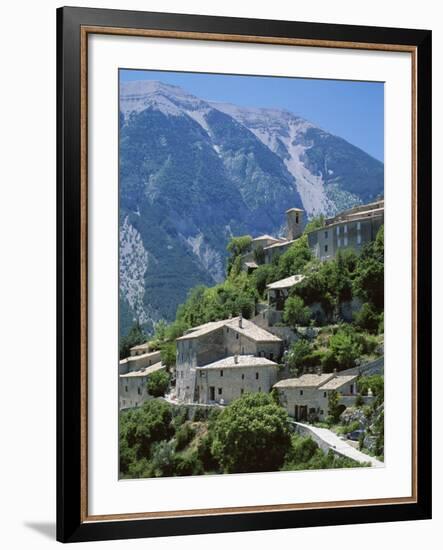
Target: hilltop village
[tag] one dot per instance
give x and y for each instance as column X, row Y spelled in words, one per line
column 299, row 318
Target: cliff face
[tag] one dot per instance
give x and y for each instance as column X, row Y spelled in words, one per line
column 194, row 173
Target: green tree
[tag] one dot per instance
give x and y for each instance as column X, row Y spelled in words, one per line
column 158, row 383
column 367, row 318
column 134, row 337
column 168, row 354
column 295, row 313
column 343, row 350
column 237, row 246
column 315, row 223
column 298, row 355
column 369, row 276
column 141, row 427
column 295, row 258
column 334, row 408
column 251, row 435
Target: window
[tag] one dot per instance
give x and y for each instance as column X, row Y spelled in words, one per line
column 296, row 218
column 324, row 394
column 236, row 336
column 220, row 391
column 259, row 390
column 338, row 230
column 351, row 388
column 326, row 247
column 221, row 373
column 256, row 375
column 339, row 242
column 242, row 391
column 301, row 392
column 201, row 374
column 242, row 376
column 345, row 229
column 321, row 411
column 326, row 234
column 359, row 238
column 139, row 391
column 346, row 241
column 242, row 350
column 358, row 226
column 126, row 389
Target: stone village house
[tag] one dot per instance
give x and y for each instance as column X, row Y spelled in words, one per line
column 215, row 361
column 134, row 372
column 306, row 397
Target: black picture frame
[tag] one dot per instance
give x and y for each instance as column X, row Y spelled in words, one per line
column 71, row 523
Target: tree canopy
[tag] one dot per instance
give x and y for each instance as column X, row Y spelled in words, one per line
column 251, row 435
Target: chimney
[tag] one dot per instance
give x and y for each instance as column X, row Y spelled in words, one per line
column 236, row 359
column 240, row 321
column 294, row 220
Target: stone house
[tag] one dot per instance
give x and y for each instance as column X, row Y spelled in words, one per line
column 229, row 378
column 133, row 386
column 137, row 361
column 351, row 228
column 274, row 246
column 307, row 397
column 211, row 342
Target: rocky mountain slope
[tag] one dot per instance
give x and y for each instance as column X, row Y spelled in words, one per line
column 193, row 173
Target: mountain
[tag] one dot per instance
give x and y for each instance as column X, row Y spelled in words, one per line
column 193, row 173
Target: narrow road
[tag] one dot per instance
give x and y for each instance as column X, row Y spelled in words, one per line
column 328, row 439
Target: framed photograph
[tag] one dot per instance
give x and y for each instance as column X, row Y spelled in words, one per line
column 244, row 274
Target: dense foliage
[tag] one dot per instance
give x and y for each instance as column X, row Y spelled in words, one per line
column 251, row 435
column 134, row 337
column 158, row 383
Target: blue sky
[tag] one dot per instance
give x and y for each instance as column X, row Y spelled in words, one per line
column 349, row 109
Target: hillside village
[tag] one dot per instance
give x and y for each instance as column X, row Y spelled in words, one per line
column 299, row 320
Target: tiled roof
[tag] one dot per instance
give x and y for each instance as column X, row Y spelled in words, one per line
column 288, row 282
column 266, row 238
column 305, row 381
column 144, row 372
column 276, row 245
column 139, row 357
column 338, row 382
column 242, row 361
column 248, row 329
column 145, row 345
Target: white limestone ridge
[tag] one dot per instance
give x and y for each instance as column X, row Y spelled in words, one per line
column 279, row 130
column 282, row 132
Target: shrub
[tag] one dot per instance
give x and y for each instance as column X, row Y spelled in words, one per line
column 187, row 464
column 205, row 455
column 142, row 427
column 158, row 383
column 295, row 312
column 251, row 435
column 367, row 318
column 298, row 355
column 184, row 436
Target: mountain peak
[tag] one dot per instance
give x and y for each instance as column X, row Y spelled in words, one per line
column 138, row 95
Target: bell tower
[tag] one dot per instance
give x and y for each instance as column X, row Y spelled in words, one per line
column 294, row 217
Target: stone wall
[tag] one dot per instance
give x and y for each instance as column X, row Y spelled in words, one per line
column 231, row 383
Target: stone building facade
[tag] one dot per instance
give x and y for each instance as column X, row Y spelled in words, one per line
column 229, row 378
column 307, row 397
column 217, row 340
column 137, row 361
column 352, row 228
column 133, row 390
